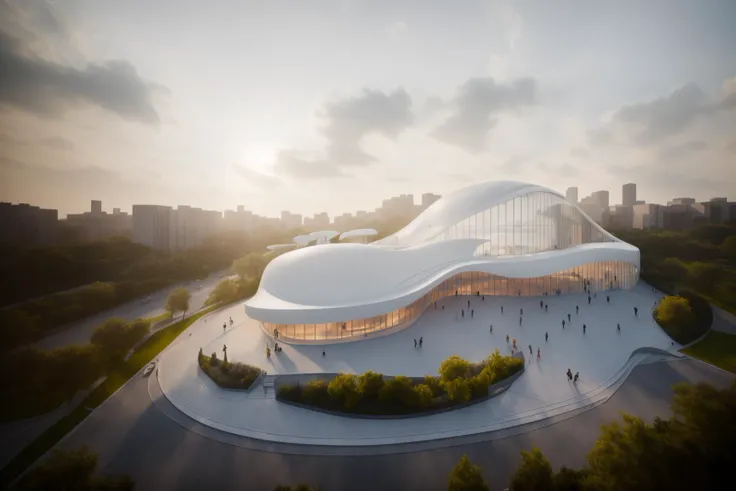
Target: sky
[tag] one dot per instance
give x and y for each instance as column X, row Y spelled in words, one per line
column 314, row 106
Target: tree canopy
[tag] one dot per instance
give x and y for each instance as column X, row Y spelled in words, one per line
column 466, row 476
column 178, row 301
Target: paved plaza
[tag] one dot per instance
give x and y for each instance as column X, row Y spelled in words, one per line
column 602, row 356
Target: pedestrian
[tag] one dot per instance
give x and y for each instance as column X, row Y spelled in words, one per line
column 545, row 307
column 472, row 312
column 468, row 303
column 563, row 323
column 618, row 327
column 539, row 353
column 507, row 337
column 530, row 350
column 421, row 340
column 323, row 352
column 577, row 309
column 588, row 299
column 569, row 374
column 546, row 336
column 483, row 298
column 490, row 329
column 519, row 320
column 584, row 328
column 541, row 304
column 456, row 293
column 608, row 299
column 568, row 317
column 443, row 307
column 636, row 311
column 502, row 309
column 224, row 327
column 463, row 312
column 577, row 375
column 521, row 311
column 415, row 342
column 513, row 343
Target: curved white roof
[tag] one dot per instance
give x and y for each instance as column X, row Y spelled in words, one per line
column 337, row 282
column 325, row 234
column 275, row 247
column 303, row 239
column 360, row 232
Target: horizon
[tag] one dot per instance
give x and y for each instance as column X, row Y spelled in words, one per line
column 335, row 106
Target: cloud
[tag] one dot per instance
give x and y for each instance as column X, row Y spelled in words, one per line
column 294, row 164
column 474, row 106
column 581, row 153
column 652, row 122
column 351, row 119
column 681, row 149
column 53, row 142
column 254, row 177
column 34, row 84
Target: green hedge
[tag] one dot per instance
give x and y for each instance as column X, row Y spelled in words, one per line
column 226, row 374
column 370, row 394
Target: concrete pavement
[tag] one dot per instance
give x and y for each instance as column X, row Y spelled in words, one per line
column 133, row 436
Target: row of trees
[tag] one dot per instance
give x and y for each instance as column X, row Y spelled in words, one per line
column 248, row 269
column 459, row 381
column 702, row 259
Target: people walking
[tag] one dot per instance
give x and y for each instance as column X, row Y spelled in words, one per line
column 618, row 327
column 577, row 375
column 563, row 323
column 513, row 343
column 546, row 336
column 588, row 299
column 608, row 299
column 415, row 342
column 541, row 304
column 539, row 353
column 545, row 307
column 636, row 311
column 463, row 312
column 569, row 374
column 520, row 320
column 502, row 309
column 568, row 317
column 224, row 326
column 421, row 340
column 577, row 309
column 468, row 303
column 521, row 311
column 584, row 327
column 323, row 352
column 507, row 337
column 472, row 312
column 530, row 350
column 490, row 329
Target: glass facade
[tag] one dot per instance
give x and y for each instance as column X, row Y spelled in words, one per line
column 600, row 276
column 534, row 222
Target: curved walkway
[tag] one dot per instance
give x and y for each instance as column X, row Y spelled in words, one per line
column 601, row 355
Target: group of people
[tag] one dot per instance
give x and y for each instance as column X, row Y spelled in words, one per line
column 419, row 344
column 570, row 376
column 224, row 325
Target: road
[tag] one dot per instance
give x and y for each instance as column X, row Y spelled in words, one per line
column 134, row 435
column 81, row 332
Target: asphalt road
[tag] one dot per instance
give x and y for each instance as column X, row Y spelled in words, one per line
column 81, row 332
column 134, row 436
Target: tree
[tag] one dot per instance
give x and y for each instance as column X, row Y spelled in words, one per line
column 569, row 479
column 458, row 390
column 226, row 291
column 178, row 301
column 466, row 477
column 675, row 315
column 72, row 470
column 424, row 394
column 534, row 473
column 250, row 266
column 674, row 268
column 112, row 336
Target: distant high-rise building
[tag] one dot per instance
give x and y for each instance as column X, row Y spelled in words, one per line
column 321, row 220
column 629, row 194
column 99, row 225
column 96, row 207
column 601, row 198
column 151, row 226
column 24, row 224
column 189, row 227
column 572, row 194
column 291, row 220
column 428, row 199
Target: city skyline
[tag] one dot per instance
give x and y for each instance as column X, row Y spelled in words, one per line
column 318, row 108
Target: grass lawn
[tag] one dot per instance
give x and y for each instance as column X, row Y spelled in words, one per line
column 115, row 379
column 717, row 348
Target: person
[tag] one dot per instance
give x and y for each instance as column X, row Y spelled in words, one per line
column 588, row 299
column 268, row 352
column 584, row 328
column 636, row 311
column 513, row 343
column 456, row 293
column 568, row 317
column 443, row 307
column 520, row 320
column 468, row 303
column 224, row 327
column 323, row 352
column 463, row 312
column 618, row 327
column 472, row 312
column 577, row 309
column 569, row 374
column 415, row 342
column 541, row 304
column 507, row 338
column 502, row 309
column 530, row 350
column 577, row 375
column 546, row 336
column 539, row 353
column 421, row 340
column 521, row 311
column 490, row 329
column 545, row 307
column 608, row 299
column 563, row 323
column 483, row 298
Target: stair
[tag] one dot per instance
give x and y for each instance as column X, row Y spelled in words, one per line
column 268, row 385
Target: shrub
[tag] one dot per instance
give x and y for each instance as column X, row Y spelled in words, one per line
column 424, row 395
column 435, row 384
column 370, row 384
column 458, row 390
column 213, row 360
column 344, row 390
column 466, row 477
column 399, row 391
column 290, row 392
column 315, row 392
column 453, row 368
column 478, row 386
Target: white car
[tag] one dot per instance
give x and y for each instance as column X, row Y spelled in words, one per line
column 147, row 371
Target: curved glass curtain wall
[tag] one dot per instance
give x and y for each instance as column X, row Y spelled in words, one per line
column 534, row 222
column 603, row 275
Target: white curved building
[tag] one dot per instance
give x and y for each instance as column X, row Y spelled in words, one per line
column 494, row 238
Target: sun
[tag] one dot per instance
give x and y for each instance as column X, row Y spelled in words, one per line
column 260, row 157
